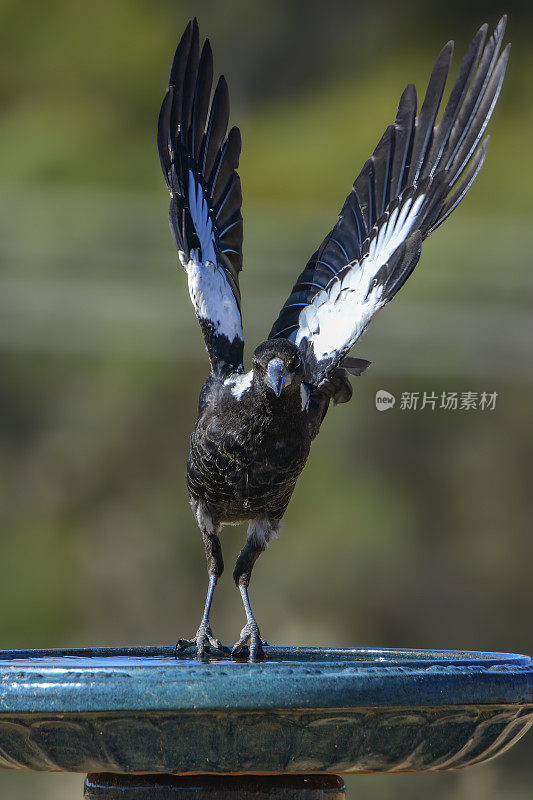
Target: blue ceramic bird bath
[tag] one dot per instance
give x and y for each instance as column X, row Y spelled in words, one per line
column 302, row 712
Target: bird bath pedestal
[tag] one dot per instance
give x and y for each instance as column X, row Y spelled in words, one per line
column 145, row 725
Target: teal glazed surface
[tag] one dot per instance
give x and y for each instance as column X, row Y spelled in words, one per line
column 300, row 710
column 152, row 678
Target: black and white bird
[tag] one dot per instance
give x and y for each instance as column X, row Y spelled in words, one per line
column 255, row 428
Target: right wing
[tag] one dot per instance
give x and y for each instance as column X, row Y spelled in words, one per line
column 199, row 164
column 418, row 174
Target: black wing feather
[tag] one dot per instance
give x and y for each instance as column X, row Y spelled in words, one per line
column 382, row 161
column 455, row 101
column 479, row 122
column 204, row 82
column 428, row 113
column 466, row 114
column 403, row 139
column 457, row 195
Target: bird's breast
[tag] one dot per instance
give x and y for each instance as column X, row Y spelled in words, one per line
column 246, row 464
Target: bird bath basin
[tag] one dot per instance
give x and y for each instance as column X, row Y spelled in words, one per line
column 300, row 713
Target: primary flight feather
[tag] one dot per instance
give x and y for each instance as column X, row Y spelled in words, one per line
column 254, row 429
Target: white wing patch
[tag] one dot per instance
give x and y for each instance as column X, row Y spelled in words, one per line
column 201, row 219
column 239, row 384
column 212, row 296
column 209, row 289
column 339, row 314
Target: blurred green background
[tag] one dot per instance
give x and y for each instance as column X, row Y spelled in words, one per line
column 407, row 528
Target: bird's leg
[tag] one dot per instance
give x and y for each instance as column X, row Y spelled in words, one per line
column 260, row 532
column 204, row 639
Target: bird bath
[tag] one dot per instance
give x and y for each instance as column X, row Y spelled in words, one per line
column 145, row 724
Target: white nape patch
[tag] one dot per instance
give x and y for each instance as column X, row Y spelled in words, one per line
column 239, row 384
column 212, row 296
column 262, row 531
column 339, row 314
column 305, row 395
column 203, row 225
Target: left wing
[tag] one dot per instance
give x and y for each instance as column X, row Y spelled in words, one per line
column 199, row 164
column 416, row 177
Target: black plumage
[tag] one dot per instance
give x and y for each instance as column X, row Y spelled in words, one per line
column 245, row 458
column 255, row 429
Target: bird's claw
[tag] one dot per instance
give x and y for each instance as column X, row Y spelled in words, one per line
column 337, row 386
column 250, row 632
column 204, row 642
column 341, row 386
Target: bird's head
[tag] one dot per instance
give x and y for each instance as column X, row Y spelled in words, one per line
column 278, row 366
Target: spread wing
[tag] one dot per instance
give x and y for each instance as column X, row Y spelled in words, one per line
column 416, row 177
column 199, row 164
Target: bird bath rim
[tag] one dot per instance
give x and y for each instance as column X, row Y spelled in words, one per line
column 153, row 678
column 301, row 710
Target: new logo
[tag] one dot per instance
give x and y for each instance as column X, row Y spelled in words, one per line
column 384, row 400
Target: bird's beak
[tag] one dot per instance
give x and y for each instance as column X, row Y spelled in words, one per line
column 277, row 375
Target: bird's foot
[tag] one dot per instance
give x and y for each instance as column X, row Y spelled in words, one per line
column 250, row 633
column 341, row 386
column 204, row 641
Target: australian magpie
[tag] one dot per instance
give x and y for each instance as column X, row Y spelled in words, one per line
column 255, row 429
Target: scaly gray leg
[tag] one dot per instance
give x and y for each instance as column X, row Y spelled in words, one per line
column 204, row 640
column 260, row 533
